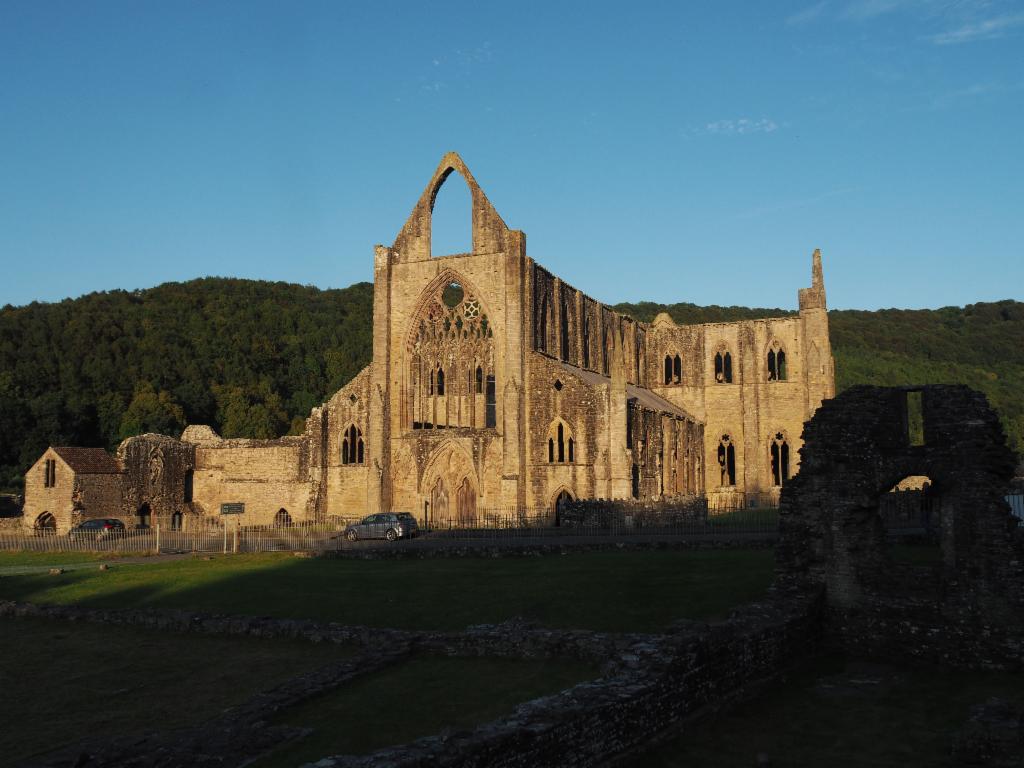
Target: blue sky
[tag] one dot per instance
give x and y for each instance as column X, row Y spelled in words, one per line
column 661, row 151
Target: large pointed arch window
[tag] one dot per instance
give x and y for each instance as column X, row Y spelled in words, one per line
column 450, row 371
column 352, row 448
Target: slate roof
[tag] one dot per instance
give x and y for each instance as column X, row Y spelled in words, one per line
column 89, row 461
column 645, row 397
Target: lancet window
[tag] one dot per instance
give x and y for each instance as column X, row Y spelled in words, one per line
column 352, row 446
column 776, row 362
column 726, row 461
column 561, row 444
column 723, row 366
column 779, row 456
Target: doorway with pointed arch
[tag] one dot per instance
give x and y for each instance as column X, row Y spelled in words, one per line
column 561, row 500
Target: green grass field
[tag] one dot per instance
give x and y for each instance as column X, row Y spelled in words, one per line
column 424, row 696
column 63, row 682
column 843, row 714
column 611, row 591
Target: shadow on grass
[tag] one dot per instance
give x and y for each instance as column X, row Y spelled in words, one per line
column 638, row 591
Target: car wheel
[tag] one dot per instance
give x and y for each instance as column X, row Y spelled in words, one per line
column 351, row 535
column 391, row 534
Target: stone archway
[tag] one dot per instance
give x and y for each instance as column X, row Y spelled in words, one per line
column 45, row 524
column 563, row 497
column 450, row 488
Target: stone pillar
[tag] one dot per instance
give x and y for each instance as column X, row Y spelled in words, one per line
column 620, row 460
column 378, row 452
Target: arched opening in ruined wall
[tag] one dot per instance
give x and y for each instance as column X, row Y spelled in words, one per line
column 176, row 521
column 451, row 219
column 911, row 512
column 282, row 519
column 143, row 517
column 45, row 525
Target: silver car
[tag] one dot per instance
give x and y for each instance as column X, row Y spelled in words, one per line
column 383, row 525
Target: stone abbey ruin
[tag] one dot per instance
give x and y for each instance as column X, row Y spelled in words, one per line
column 494, row 386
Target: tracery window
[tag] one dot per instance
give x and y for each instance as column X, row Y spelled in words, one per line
column 776, row 362
column 723, row 365
column 451, row 362
column 352, row 445
column 561, row 445
column 726, row 461
column 673, row 369
column 779, row 455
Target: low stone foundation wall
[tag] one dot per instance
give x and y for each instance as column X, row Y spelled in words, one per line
column 607, row 513
column 14, row 524
column 665, row 681
column 556, row 545
column 647, row 683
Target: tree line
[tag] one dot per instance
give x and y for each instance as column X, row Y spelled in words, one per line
column 251, row 358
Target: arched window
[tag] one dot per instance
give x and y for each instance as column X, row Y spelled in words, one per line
column 440, row 381
column 282, row 519
column 776, row 362
column 561, row 447
column 564, row 327
column 542, row 339
column 586, row 337
column 352, row 446
column 479, row 380
column 606, row 347
column 726, row 461
column 673, row 369
column 723, row 366
column 779, row 455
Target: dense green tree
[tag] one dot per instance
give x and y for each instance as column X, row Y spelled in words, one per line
column 150, row 411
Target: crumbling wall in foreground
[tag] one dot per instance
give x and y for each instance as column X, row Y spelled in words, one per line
column 968, row 607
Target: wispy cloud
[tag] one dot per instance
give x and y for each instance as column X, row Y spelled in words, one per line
column 787, row 205
column 807, row 15
column 985, row 29
column 739, row 127
column 862, row 10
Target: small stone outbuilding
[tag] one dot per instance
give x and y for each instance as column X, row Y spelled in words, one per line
column 68, row 485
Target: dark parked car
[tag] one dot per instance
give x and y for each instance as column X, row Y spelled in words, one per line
column 97, row 529
column 383, row 525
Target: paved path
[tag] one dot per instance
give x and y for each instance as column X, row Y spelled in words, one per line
column 87, row 565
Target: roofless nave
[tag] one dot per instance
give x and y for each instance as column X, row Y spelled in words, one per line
column 494, row 385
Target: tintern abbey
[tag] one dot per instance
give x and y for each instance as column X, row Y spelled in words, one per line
column 495, row 386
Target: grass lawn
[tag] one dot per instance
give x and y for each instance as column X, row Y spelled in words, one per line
column 61, row 683
column 418, row 698
column 842, row 714
column 612, row 591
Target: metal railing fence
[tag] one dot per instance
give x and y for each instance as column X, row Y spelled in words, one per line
column 902, row 513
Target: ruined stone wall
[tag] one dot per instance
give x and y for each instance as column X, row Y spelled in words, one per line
column 266, row 475
column 157, row 471
column 967, row 606
column 345, row 481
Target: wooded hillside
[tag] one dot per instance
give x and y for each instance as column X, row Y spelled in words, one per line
column 252, row 358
